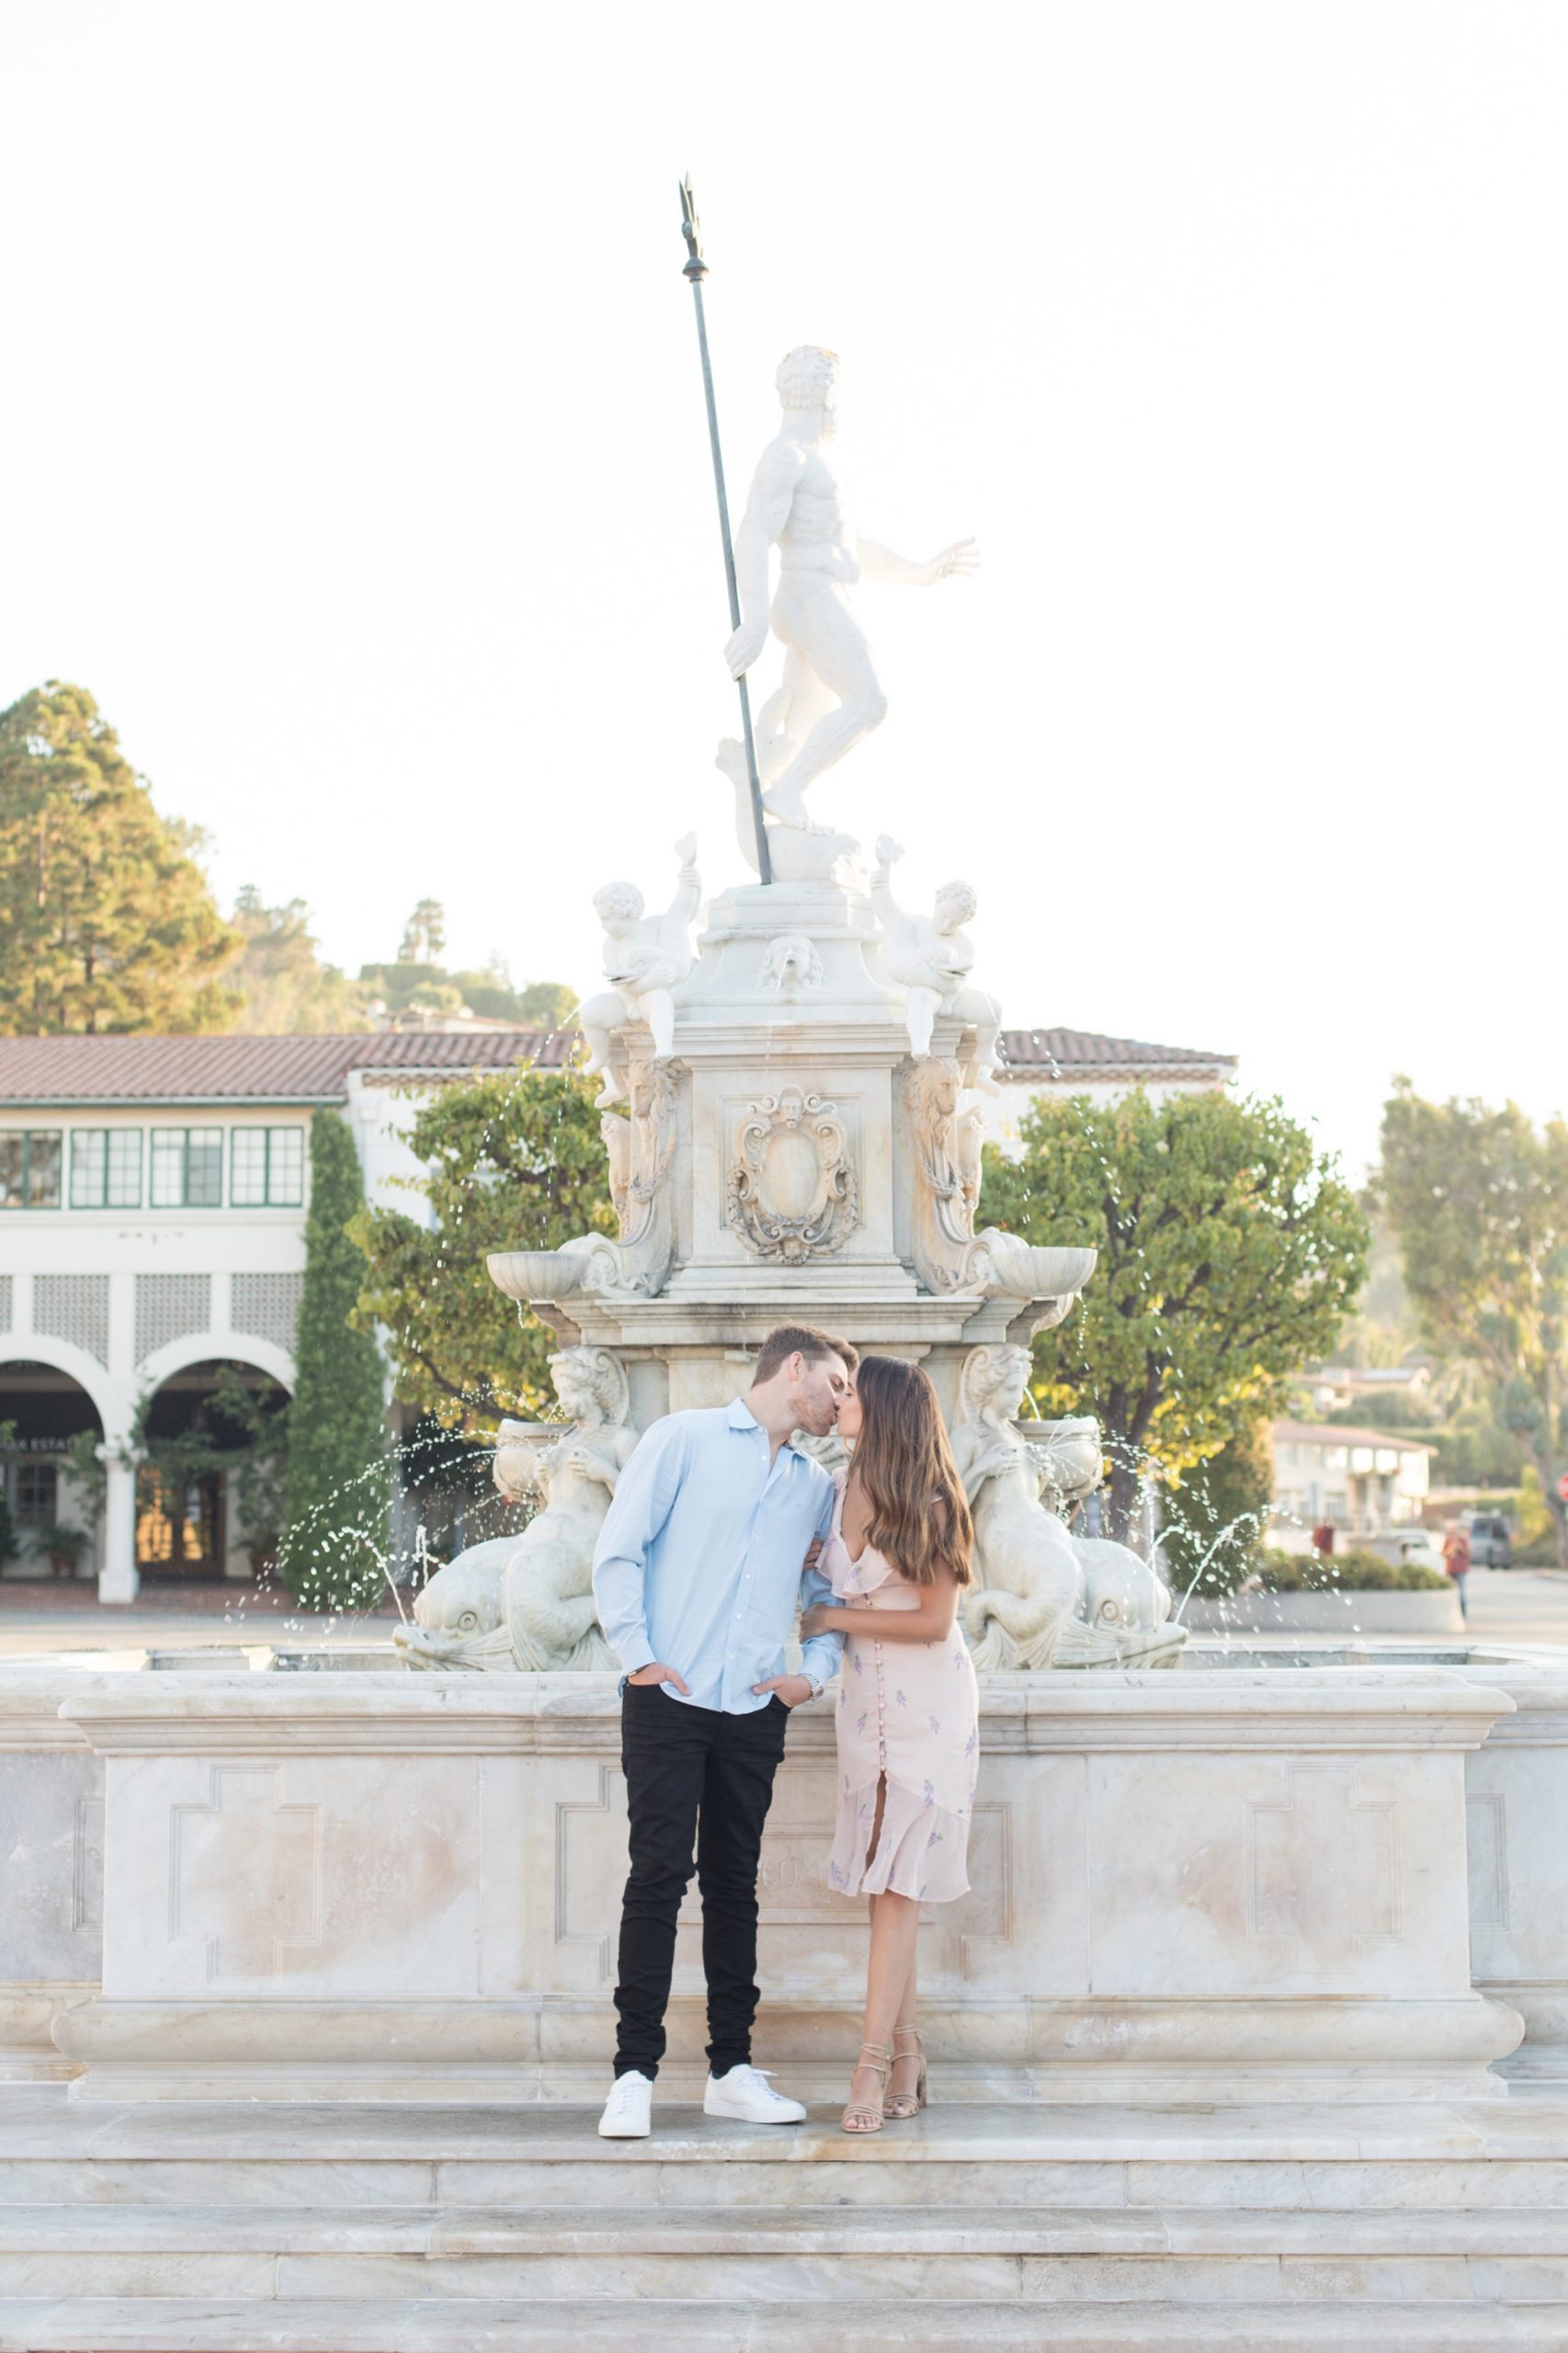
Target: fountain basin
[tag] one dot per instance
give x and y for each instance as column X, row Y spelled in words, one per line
column 1236, row 1882
column 1373, row 1612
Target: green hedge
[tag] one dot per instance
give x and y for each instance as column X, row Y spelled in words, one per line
column 1343, row 1573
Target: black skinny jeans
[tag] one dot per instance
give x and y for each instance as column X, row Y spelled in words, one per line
column 692, row 1775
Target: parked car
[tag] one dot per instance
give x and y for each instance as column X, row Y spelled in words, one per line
column 1417, row 1548
column 1491, row 1540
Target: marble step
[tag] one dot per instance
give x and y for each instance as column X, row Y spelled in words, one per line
column 202, row 2325
column 1431, row 2156
column 801, row 2256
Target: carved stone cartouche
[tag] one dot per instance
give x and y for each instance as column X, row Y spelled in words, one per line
column 792, row 1191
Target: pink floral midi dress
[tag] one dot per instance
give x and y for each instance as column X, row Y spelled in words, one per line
column 908, row 1711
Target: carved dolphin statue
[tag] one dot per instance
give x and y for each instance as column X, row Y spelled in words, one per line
column 458, row 1618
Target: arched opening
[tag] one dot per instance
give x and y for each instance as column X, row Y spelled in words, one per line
column 209, row 1489
column 51, row 1483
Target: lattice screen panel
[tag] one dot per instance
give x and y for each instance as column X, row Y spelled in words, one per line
column 170, row 1307
column 268, row 1305
column 6, row 1307
column 73, row 1308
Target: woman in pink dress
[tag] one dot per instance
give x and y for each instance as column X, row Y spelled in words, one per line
column 908, row 1715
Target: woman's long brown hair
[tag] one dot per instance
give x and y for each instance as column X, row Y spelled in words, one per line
column 902, row 1465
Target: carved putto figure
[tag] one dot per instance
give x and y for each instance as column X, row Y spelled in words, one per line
column 930, row 959
column 831, row 696
column 644, row 957
column 528, row 1601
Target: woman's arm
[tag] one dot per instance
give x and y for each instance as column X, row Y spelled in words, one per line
column 930, row 1622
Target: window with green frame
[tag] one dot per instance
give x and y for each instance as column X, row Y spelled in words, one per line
column 267, row 1167
column 29, row 1168
column 106, row 1169
column 187, row 1168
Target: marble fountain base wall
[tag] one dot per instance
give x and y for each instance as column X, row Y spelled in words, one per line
column 1236, row 1886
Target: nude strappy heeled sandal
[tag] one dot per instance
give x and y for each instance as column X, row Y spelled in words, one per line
column 860, row 2116
column 897, row 2106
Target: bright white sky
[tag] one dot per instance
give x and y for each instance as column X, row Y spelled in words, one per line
column 355, row 460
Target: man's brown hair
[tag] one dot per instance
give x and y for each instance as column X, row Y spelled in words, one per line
column 803, row 1340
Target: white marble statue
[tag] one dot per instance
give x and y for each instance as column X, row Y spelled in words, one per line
column 930, row 959
column 527, row 1601
column 457, row 1617
column 644, row 957
column 546, row 1593
column 1028, row 1576
column 1045, row 1597
column 831, row 696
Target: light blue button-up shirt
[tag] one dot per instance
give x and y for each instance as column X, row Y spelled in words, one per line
column 698, row 1564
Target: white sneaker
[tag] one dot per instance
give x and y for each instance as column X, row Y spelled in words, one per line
column 626, row 2116
column 747, row 2093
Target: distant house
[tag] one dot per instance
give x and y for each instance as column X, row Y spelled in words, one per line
column 1337, row 1387
column 1361, row 1480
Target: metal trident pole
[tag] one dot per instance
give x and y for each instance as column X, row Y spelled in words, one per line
column 697, row 270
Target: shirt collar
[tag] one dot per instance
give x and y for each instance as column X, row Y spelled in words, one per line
column 740, row 1417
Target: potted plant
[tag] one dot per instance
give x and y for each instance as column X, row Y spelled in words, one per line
column 61, row 1544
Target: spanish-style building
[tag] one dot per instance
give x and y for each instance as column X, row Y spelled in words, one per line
column 152, row 1200
column 1360, row 1481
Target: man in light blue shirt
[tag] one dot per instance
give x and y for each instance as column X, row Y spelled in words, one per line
column 699, row 1571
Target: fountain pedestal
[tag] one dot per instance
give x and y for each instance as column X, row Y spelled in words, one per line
column 776, row 1168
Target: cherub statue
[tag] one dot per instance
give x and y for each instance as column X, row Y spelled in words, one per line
column 547, row 1601
column 831, row 696
column 930, row 957
column 1030, row 1574
column 644, row 957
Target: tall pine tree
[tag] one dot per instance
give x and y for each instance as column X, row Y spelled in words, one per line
column 106, row 919
column 334, row 1539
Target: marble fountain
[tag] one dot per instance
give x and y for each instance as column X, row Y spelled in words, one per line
column 1253, row 2030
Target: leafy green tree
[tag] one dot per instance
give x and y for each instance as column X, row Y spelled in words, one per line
column 105, row 920
column 1229, row 1254
column 515, row 1161
column 284, row 985
column 424, row 934
column 335, row 1538
column 424, row 987
column 1480, row 1200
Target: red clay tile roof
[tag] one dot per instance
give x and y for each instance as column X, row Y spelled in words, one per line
column 1067, row 1054
column 315, row 1069
column 1332, row 1434
column 254, row 1070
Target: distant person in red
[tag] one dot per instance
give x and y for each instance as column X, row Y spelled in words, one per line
column 1456, row 1559
column 1323, row 1537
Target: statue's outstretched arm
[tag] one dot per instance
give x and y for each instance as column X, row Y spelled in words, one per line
column 767, row 512
column 878, row 562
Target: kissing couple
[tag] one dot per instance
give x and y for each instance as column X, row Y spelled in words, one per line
column 721, row 1526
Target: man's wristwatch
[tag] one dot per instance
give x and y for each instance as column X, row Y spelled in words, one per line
column 814, row 1681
